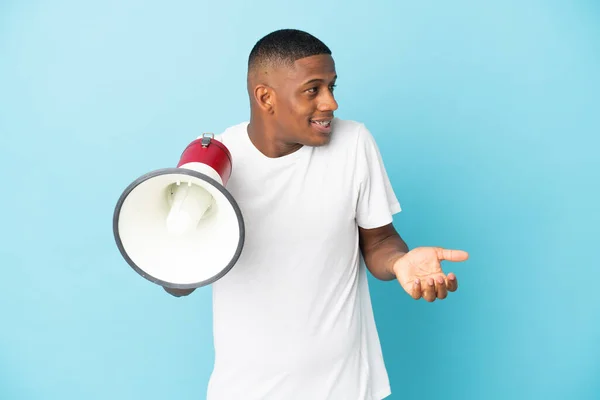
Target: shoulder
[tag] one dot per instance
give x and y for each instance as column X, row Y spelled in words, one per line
column 350, row 136
column 343, row 128
column 232, row 134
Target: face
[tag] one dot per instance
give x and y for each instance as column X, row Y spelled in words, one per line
column 303, row 101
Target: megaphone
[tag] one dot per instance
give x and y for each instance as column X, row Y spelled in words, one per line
column 180, row 227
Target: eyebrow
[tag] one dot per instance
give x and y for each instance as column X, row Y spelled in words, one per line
column 318, row 80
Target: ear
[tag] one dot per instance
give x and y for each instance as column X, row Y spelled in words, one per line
column 264, row 97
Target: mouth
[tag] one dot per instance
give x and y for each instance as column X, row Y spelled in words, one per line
column 322, row 125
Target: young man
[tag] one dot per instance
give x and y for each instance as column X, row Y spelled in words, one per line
column 293, row 318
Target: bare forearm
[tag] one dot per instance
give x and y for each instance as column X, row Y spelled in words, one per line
column 381, row 256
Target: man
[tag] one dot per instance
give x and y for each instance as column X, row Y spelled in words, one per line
column 293, row 318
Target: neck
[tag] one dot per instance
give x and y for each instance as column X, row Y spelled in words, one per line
column 264, row 138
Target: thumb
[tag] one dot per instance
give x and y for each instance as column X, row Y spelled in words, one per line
column 451, row 255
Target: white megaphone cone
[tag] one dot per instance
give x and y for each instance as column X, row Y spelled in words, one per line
column 180, row 227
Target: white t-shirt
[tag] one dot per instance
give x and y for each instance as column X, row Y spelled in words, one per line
column 293, row 318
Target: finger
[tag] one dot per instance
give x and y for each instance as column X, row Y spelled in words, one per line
column 416, row 290
column 429, row 290
column 440, row 287
column 451, row 255
column 451, row 282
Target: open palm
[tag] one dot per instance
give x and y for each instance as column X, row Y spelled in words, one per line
column 420, row 272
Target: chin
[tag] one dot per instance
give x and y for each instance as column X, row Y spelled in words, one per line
column 318, row 138
column 313, row 138
column 317, row 141
column 320, row 134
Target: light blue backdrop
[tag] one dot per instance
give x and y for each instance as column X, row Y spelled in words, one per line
column 487, row 115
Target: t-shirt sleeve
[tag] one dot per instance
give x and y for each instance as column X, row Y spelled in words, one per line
column 377, row 201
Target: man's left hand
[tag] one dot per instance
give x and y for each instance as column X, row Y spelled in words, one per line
column 420, row 272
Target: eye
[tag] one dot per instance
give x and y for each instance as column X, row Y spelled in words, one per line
column 312, row 90
column 332, row 87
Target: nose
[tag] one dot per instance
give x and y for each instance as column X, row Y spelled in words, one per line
column 327, row 102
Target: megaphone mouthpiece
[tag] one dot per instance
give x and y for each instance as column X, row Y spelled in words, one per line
column 189, row 203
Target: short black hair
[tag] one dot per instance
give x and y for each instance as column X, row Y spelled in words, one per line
column 285, row 46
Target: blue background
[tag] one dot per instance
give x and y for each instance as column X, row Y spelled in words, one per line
column 487, row 115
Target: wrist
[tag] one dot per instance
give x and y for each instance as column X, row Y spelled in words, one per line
column 393, row 264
